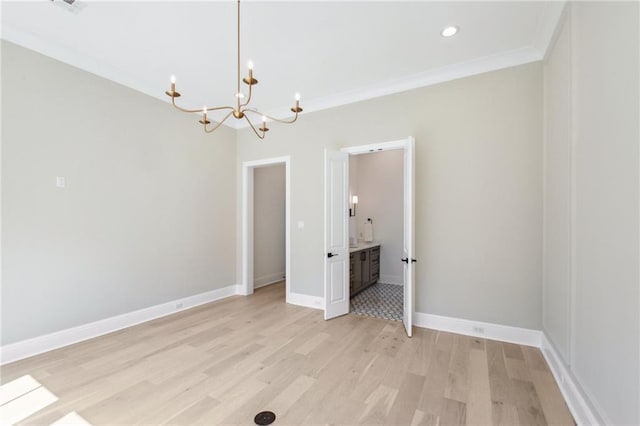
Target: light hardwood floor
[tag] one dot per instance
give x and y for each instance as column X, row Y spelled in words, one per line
column 223, row 362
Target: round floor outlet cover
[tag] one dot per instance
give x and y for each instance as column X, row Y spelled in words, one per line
column 264, row 418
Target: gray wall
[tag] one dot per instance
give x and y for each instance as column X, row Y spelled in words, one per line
column 138, row 223
column 478, row 190
column 591, row 276
column 269, row 197
column 380, row 186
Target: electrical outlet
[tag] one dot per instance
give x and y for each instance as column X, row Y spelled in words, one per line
column 178, row 305
column 478, row 330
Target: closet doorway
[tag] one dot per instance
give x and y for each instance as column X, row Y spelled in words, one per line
column 265, row 224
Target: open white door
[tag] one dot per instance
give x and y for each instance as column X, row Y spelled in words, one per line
column 408, row 252
column 336, row 234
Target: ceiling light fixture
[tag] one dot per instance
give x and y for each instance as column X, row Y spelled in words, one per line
column 449, row 31
column 241, row 109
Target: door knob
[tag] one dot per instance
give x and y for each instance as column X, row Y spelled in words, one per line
column 413, row 261
column 405, row 260
column 330, row 255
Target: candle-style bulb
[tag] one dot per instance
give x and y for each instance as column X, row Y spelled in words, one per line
column 264, row 119
column 250, row 65
column 297, row 96
column 204, row 110
column 173, row 79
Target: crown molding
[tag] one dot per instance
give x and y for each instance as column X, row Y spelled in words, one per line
column 427, row 78
column 536, row 52
column 548, row 26
column 84, row 62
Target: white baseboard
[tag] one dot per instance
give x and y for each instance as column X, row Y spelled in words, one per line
column 503, row 333
column 570, row 389
column 37, row 345
column 391, row 279
column 578, row 404
column 305, row 300
column 268, row 279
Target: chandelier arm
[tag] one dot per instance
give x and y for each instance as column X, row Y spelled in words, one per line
column 248, row 98
column 261, row 136
column 219, row 123
column 173, row 102
column 219, row 108
column 255, row 111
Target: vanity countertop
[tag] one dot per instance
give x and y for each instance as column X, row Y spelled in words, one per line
column 363, row 246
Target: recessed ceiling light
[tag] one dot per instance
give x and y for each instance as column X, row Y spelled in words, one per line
column 449, row 31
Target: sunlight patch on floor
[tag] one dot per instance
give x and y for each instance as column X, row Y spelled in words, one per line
column 71, row 419
column 21, row 398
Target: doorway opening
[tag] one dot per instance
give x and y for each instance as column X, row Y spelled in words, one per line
column 265, row 225
column 338, row 209
column 269, row 202
column 376, row 232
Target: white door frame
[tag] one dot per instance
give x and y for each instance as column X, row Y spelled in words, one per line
column 403, row 144
column 382, row 146
column 246, row 287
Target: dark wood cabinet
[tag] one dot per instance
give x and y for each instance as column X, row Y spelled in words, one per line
column 365, row 269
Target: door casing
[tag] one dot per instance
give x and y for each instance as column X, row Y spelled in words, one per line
column 403, row 144
column 246, row 286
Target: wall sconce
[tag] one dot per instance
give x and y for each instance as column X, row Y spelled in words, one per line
column 354, row 201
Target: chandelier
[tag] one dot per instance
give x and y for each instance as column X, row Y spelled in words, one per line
column 242, row 109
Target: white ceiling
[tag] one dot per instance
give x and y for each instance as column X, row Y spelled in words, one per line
column 331, row 52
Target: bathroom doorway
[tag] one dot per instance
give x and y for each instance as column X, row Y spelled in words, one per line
column 337, row 277
column 376, row 225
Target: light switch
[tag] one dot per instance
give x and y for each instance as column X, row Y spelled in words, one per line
column 300, row 224
column 60, row 182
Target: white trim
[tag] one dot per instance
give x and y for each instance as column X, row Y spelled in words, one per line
column 430, row 77
column 58, row 339
column 503, row 333
column 574, row 395
column 450, row 72
column 268, row 279
column 247, row 282
column 549, row 27
column 391, row 279
column 569, row 387
column 573, row 200
column 408, row 146
column 382, row 146
column 305, row 300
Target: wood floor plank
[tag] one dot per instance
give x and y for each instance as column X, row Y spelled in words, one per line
column 453, row 412
column 527, row 403
column 512, row 351
column 553, row 405
column 406, row 402
column 504, row 414
column 432, row 397
column 458, row 378
column 222, row 362
column 499, row 380
column 535, row 359
column 479, row 410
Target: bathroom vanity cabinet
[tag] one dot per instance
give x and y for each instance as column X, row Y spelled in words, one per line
column 364, row 266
